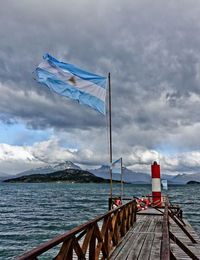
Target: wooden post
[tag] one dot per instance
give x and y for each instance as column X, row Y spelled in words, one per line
column 165, row 248
column 109, row 203
column 92, row 246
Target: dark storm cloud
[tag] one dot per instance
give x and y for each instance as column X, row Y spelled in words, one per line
column 151, row 49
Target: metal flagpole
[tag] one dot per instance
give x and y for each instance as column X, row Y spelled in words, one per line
column 121, row 180
column 110, row 126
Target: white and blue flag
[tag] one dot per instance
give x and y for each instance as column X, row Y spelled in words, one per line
column 164, row 184
column 115, row 162
column 113, row 166
column 70, row 81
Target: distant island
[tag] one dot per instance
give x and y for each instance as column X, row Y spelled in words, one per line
column 68, row 175
column 193, row 182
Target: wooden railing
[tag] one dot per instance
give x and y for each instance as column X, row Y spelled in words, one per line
column 165, row 248
column 89, row 240
column 167, row 235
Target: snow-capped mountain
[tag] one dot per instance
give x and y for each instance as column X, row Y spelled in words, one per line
column 104, row 172
column 184, row 178
column 128, row 175
column 47, row 169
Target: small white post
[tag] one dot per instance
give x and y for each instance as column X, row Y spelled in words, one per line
column 121, row 190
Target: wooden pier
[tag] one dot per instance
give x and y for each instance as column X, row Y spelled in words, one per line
column 127, row 233
column 143, row 240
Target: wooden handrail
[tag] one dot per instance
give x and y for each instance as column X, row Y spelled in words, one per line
column 165, row 248
column 94, row 239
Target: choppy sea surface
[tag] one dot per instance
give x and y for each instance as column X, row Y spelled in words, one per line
column 33, row 213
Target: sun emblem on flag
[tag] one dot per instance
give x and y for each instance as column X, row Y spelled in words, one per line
column 72, row 80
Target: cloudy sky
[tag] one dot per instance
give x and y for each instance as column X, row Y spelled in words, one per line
column 152, row 50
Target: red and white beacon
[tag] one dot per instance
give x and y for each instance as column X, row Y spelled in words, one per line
column 156, row 185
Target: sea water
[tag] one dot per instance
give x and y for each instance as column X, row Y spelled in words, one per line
column 34, row 213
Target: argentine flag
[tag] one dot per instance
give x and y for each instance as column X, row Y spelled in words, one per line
column 115, row 169
column 70, row 81
column 164, row 184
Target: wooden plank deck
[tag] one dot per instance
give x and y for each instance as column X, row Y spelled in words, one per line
column 143, row 240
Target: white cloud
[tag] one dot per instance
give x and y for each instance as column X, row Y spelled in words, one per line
column 14, row 159
column 8, row 152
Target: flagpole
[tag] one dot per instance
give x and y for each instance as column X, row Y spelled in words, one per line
column 121, row 180
column 110, row 127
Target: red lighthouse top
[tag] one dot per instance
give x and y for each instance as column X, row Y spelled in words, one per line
column 155, row 170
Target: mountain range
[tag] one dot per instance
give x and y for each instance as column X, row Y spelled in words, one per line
column 143, row 178
column 184, row 178
column 67, row 175
column 103, row 172
column 43, row 170
column 127, row 175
